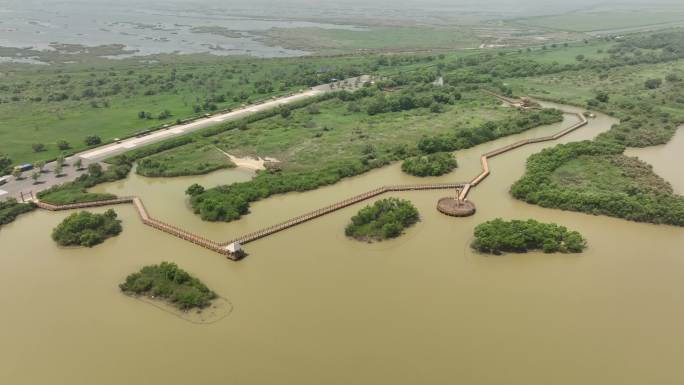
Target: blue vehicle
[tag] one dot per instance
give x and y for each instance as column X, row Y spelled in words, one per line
column 25, row 167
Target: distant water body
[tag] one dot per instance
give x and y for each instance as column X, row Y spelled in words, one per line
column 143, row 30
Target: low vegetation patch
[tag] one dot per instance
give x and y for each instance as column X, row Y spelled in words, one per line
column 169, row 282
column 320, row 149
column 10, row 209
column 385, row 219
column 497, row 236
column 436, row 164
column 595, row 178
column 76, row 191
column 469, row 137
column 87, row 229
column 203, row 160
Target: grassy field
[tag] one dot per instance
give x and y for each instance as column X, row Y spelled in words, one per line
column 383, row 39
column 603, row 20
column 307, row 141
column 609, row 174
column 593, row 50
column 46, row 104
column 201, row 158
column 622, row 84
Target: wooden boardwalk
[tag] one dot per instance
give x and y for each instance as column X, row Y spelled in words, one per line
column 223, row 247
column 146, row 219
column 484, row 159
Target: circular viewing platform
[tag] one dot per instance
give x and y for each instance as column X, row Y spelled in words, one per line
column 456, row 208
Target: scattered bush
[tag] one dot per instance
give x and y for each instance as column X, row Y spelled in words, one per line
column 63, row 145
column 92, row 140
column 652, row 84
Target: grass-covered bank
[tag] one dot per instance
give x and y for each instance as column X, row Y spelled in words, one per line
column 595, row 178
column 87, row 229
column 497, row 236
column 205, row 159
column 385, row 219
column 170, row 283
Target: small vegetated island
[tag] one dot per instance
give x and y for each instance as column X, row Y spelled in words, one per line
column 87, row 229
column 497, row 236
column 170, row 283
column 595, row 177
column 436, row 164
column 385, row 219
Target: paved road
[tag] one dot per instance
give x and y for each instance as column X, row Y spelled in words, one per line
column 14, row 188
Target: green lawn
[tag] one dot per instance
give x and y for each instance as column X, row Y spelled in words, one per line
column 200, row 158
column 615, row 19
column 382, row 38
column 45, row 104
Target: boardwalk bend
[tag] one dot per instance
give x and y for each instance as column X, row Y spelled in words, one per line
column 232, row 248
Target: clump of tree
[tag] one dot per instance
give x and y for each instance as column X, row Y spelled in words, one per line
column 652, row 84
column 87, row 229
column 469, row 137
column 171, row 283
column 63, row 145
column 385, row 219
column 417, row 96
column 92, row 140
column 5, row 164
column 434, row 164
column 497, row 236
column 10, row 209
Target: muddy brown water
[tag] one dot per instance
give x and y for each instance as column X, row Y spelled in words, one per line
column 312, row 307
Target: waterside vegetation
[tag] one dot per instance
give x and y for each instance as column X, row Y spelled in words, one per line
column 168, row 282
column 10, row 209
column 87, row 229
column 384, row 219
column 594, row 177
column 434, row 164
column 498, row 236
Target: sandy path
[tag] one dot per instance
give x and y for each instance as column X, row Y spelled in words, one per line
column 249, row 162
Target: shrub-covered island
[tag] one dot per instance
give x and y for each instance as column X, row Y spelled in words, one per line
column 10, row 209
column 497, row 236
column 86, row 229
column 436, row 164
column 171, row 283
column 386, row 218
column 596, row 178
